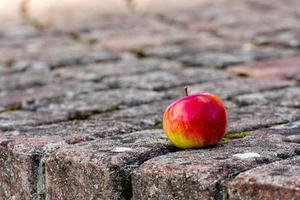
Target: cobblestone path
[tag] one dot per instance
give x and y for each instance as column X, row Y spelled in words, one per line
column 81, row 110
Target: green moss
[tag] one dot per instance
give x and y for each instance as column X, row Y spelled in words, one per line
column 13, row 108
column 275, row 124
column 77, row 38
column 242, row 74
column 87, row 115
column 185, row 65
column 233, row 136
column 158, row 126
column 140, row 53
column 79, row 116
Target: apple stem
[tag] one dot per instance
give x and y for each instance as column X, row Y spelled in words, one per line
column 186, row 91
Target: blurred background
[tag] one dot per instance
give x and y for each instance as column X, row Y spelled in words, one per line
column 67, row 12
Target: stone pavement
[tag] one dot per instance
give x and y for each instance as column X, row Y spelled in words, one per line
column 81, row 110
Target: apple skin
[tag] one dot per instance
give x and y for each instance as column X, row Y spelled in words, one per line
column 195, row 121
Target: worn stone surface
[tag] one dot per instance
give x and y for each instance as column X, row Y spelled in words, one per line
column 288, row 97
column 230, row 19
column 209, row 43
column 125, row 42
column 13, row 119
column 224, row 59
column 284, row 38
column 20, row 167
column 24, row 151
column 143, row 116
column 105, row 166
column 82, row 105
column 282, row 68
column 228, row 89
column 160, row 80
column 255, row 117
column 291, row 125
column 27, row 97
column 100, row 71
column 71, row 131
column 54, row 52
column 288, row 132
column 278, row 180
column 203, row 174
column 23, row 80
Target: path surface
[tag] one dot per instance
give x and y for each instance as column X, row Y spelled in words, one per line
column 81, row 109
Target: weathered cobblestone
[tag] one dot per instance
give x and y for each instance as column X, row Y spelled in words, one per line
column 13, row 119
column 160, row 80
column 254, row 117
column 72, row 131
column 285, row 38
column 231, row 19
column 228, row 89
column 279, row 179
column 288, row 132
column 280, row 68
column 224, row 59
column 143, row 116
column 53, row 52
column 148, row 32
column 26, row 98
column 203, row 174
column 22, row 81
column 289, row 97
column 23, row 152
column 20, row 160
column 82, row 105
column 125, row 41
column 209, row 43
column 105, row 166
column 100, row 71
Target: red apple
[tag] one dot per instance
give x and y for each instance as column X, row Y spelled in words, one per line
column 195, row 121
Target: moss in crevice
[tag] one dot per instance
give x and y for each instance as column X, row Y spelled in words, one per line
column 13, row 108
column 79, row 115
column 274, row 124
column 158, row 125
column 242, row 74
column 233, row 136
column 140, row 53
column 86, row 115
column 77, row 38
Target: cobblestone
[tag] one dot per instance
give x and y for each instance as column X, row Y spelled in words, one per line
column 202, row 174
column 224, row 59
column 231, row 88
column 98, row 72
column 280, row 179
column 285, row 38
column 160, row 80
column 105, row 165
column 24, row 151
column 78, row 106
column 143, row 116
column 254, row 117
column 12, row 119
column 283, row 68
column 288, row 97
column 25, row 98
